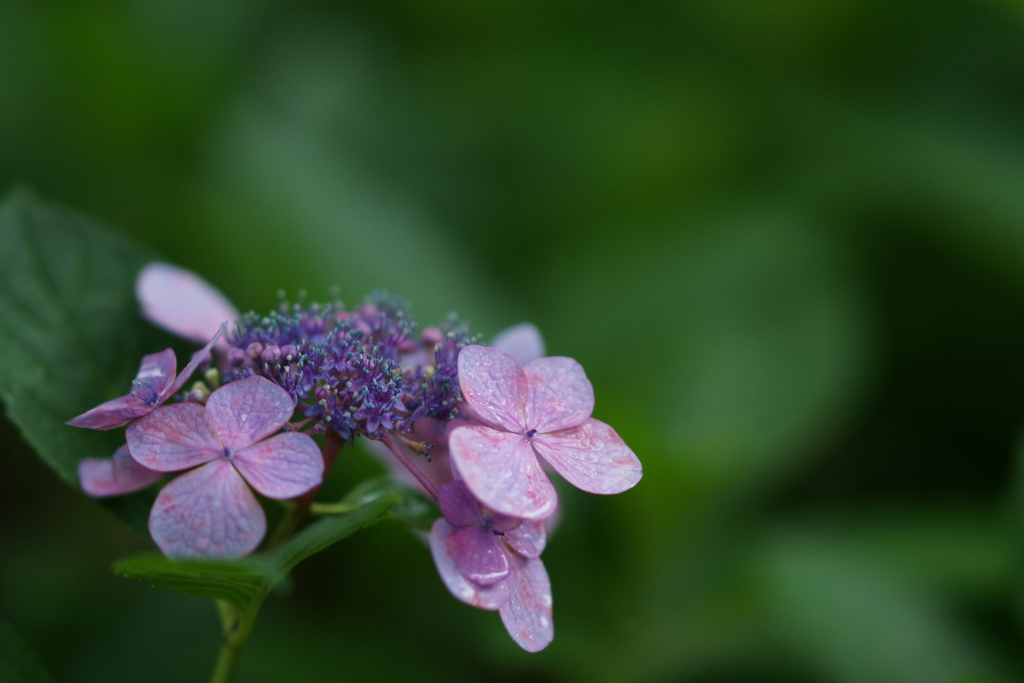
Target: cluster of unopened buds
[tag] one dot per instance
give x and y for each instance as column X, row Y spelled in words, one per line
column 471, row 425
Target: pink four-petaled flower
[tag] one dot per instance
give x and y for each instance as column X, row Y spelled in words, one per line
column 541, row 409
column 492, row 561
column 210, row 511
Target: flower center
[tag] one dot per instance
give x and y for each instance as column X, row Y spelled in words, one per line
column 228, row 454
column 530, row 434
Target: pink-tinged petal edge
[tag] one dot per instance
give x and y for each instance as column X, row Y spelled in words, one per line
column 478, row 555
column 485, row 597
column 591, row 457
column 208, row 512
column 283, row 466
column 181, row 302
column 523, row 342
column 249, row 410
column 129, row 473
column 494, row 387
column 502, row 472
column 527, row 614
column 561, row 396
column 114, row 413
column 97, row 477
column 173, row 438
column 198, row 358
column 529, row 538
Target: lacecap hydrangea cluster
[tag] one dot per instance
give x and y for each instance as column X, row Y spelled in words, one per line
column 473, row 426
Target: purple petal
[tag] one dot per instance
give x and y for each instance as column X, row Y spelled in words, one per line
column 283, row 466
column 158, row 370
column 458, row 505
column 114, row 413
column 98, row 481
column 129, row 473
column 494, row 387
column 182, row 302
column 485, row 597
column 502, row 472
column 478, row 555
column 207, row 513
column 523, row 342
column 249, row 410
column 527, row 614
column 198, row 358
column 529, row 538
column 561, row 396
column 174, row 438
column 591, row 457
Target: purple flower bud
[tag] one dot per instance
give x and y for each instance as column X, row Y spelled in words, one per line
column 254, row 350
column 271, row 354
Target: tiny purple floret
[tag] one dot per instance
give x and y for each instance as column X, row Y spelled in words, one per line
column 210, row 512
column 539, row 410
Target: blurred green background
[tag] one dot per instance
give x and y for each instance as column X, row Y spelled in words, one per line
column 784, row 237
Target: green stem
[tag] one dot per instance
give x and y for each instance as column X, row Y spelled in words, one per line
column 237, row 628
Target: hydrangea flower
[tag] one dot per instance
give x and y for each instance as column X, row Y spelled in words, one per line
column 540, row 410
column 492, row 561
column 231, row 443
column 181, row 302
column 102, row 477
column 153, row 385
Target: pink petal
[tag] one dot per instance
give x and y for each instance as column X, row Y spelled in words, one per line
column 129, row 473
column 283, row 466
column 529, row 538
column 207, row 513
column 502, row 472
column 561, row 396
column 494, row 387
column 478, row 555
column 523, row 342
column 114, row 413
column 182, row 302
column 174, row 438
column 591, row 457
column 198, row 358
column 527, row 614
column 458, row 505
column 158, row 370
column 484, row 597
column 249, row 410
column 98, row 481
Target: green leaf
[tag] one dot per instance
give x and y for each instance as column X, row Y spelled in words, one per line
column 415, row 509
column 18, row 664
column 70, row 333
column 331, row 529
column 236, row 583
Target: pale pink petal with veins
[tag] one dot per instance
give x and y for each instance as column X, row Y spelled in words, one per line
column 484, row 597
column 283, row 466
column 494, row 387
column 207, row 513
column 174, row 437
column 249, row 410
column 561, row 396
column 529, row 538
column 129, row 473
column 591, row 457
column 182, row 302
column 523, row 342
column 478, row 555
column 502, row 472
column 527, row 614
column 158, row 370
column 458, row 505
